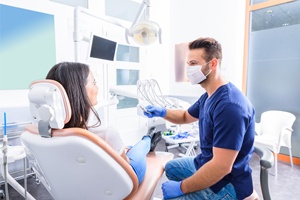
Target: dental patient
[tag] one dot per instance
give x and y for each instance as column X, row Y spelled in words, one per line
column 81, row 88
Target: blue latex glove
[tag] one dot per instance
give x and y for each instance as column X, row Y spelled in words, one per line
column 154, row 111
column 171, row 189
column 180, row 136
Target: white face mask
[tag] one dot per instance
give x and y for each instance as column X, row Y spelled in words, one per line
column 195, row 74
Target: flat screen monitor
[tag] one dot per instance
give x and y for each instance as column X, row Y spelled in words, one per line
column 102, row 48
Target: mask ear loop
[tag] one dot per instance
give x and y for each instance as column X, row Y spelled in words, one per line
column 209, row 70
column 208, row 73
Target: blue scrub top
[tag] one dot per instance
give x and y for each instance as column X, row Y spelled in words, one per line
column 227, row 120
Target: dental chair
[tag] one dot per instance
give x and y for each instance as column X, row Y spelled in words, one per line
column 74, row 163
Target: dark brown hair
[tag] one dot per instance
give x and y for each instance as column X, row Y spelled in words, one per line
column 212, row 47
column 73, row 77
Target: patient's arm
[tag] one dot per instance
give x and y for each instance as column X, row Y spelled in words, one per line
column 123, row 155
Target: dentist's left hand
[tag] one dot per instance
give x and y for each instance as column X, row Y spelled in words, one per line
column 171, row 189
column 154, row 111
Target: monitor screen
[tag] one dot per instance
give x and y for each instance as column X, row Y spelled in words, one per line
column 102, row 48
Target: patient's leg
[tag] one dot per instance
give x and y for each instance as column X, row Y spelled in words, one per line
column 137, row 156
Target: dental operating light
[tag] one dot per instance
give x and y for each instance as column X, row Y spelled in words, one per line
column 145, row 32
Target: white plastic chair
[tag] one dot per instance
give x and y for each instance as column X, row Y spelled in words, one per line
column 74, row 163
column 274, row 131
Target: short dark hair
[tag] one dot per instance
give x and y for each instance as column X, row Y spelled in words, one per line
column 73, row 77
column 212, row 47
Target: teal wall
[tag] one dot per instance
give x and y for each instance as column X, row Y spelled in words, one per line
column 27, row 46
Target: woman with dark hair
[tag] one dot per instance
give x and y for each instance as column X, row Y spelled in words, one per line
column 81, row 88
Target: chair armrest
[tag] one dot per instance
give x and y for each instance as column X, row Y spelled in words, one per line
column 266, row 162
column 257, row 128
column 266, row 156
column 287, row 129
column 285, row 136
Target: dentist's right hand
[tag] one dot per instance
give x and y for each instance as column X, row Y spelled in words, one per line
column 154, row 111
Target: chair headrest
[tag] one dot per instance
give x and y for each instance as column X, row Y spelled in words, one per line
column 49, row 105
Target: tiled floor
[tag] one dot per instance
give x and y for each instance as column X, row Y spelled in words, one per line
column 285, row 187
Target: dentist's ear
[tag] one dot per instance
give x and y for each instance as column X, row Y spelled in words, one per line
column 214, row 63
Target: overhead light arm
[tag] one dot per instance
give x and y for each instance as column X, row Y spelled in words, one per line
column 144, row 33
column 140, row 12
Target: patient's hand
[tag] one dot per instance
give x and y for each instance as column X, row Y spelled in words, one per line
column 123, row 155
column 127, row 149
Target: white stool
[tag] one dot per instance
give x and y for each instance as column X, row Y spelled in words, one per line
column 15, row 153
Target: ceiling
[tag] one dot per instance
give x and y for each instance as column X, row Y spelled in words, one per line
column 287, row 14
column 83, row 3
column 273, row 17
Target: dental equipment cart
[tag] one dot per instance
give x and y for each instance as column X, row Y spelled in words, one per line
column 189, row 143
column 11, row 154
column 14, row 153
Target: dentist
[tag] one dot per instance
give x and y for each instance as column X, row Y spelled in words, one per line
column 226, row 122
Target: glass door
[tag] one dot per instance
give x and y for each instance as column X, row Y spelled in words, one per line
column 272, row 64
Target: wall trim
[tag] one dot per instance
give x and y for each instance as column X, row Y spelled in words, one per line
column 286, row 158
